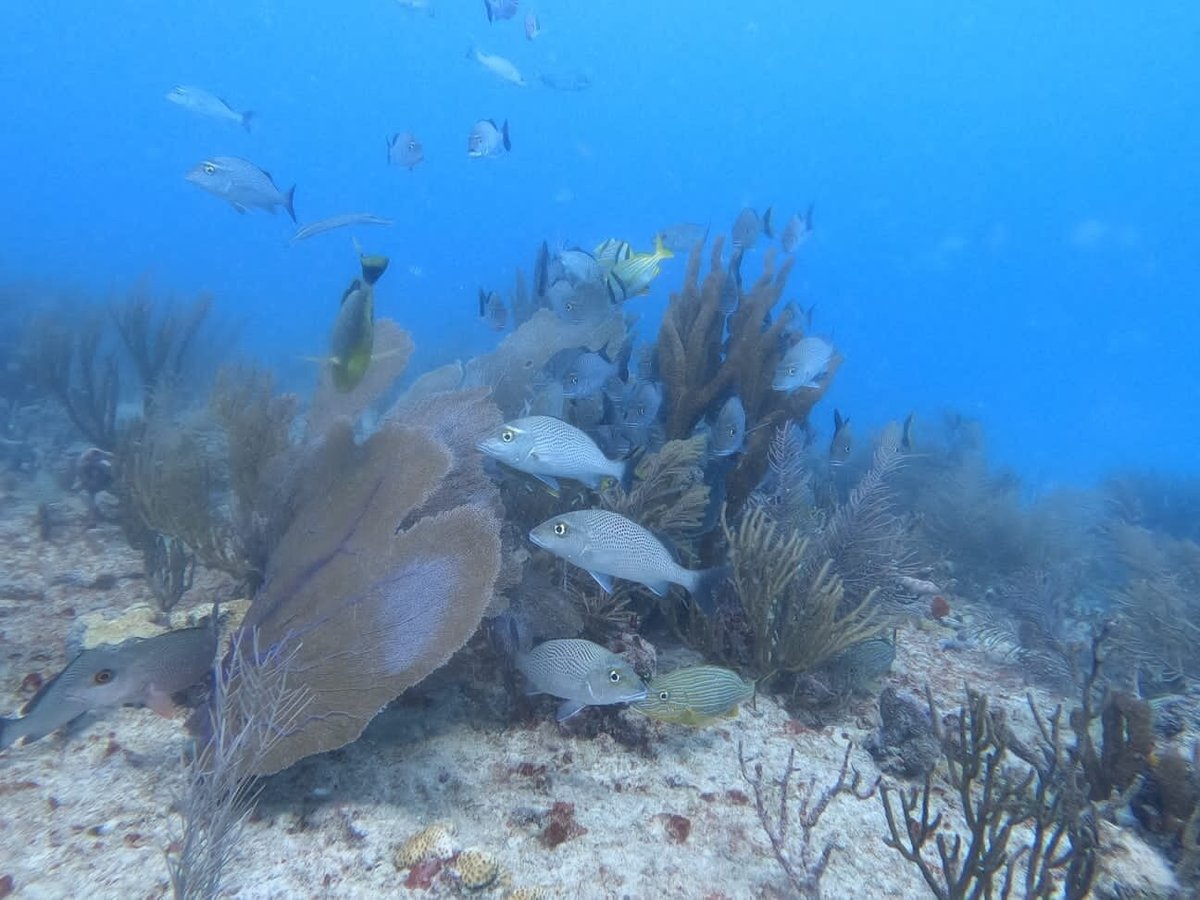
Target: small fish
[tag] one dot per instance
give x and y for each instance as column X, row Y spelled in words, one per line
column 241, row 183
column 631, row 276
column 860, row 665
column 683, row 237
column 500, row 9
column 405, row 149
column 486, row 139
column 731, row 288
column 565, row 81
column 304, row 232
column 145, row 671
column 586, row 375
column 695, row 696
column 906, row 433
column 611, row 251
column 843, row 440
column 729, row 429
column 548, row 449
column 499, row 66
column 641, row 404
column 749, row 225
column 533, row 27
column 581, row 673
column 493, row 310
column 353, row 335
column 579, row 265
column 803, row 364
column 610, row 546
column 586, row 302
column 203, row 103
column 796, row 231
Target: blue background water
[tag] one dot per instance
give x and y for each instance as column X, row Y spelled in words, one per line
column 1007, row 201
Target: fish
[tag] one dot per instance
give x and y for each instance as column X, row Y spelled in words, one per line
column 203, row 103
column 641, row 404
column 695, row 696
column 425, row 6
column 683, row 237
column 731, row 288
column 586, row 375
column 611, row 251
column 803, row 364
column 608, row 546
column 548, row 401
column 493, row 309
column 860, row 665
column 499, row 66
column 749, row 225
column 500, row 9
column 581, row 674
column 353, row 335
column 729, row 428
column 548, row 449
column 138, row 671
column 906, row 433
column 843, row 440
column 583, row 303
column 533, row 27
column 579, row 265
column 631, row 275
column 329, row 223
column 242, row 184
column 796, row 231
column 565, row 81
column 405, row 149
column 486, row 139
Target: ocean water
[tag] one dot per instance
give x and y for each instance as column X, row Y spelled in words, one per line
column 1006, row 206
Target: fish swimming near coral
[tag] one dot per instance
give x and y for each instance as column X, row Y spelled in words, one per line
column 806, row 361
column 203, row 103
column 730, row 296
column 502, row 68
column 493, row 310
column 748, row 226
column 695, row 696
column 641, row 403
column 242, row 184
column 139, row 671
column 581, row 674
column 860, row 665
column 729, row 428
column 683, row 237
column 329, row 223
column 353, row 335
column 631, row 274
column 486, row 139
column 587, row 301
column 796, row 231
column 405, row 149
column 586, row 375
column 843, row 440
column 548, row 449
column 533, row 28
column 608, row 546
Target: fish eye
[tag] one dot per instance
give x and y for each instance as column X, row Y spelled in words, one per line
column 574, row 379
column 413, row 145
column 733, row 431
column 614, row 676
column 209, row 168
column 507, row 435
column 560, row 528
column 569, row 305
column 664, row 696
column 104, row 676
column 791, row 370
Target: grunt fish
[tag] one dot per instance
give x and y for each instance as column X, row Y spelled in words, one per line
column 203, row 103
column 242, row 184
column 796, row 231
column 748, row 226
column 493, row 310
column 486, row 139
column 695, row 696
column 630, row 273
column 729, row 429
column 139, row 671
column 803, row 364
column 586, row 302
column 499, row 66
column 586, row 375
column 843, row 440
column 581, row 673
column 683, row 237
column 860, row 665
column 610, row 546
column 312, row 229
column 641, row 403
column 405, row 149
column 548, row 449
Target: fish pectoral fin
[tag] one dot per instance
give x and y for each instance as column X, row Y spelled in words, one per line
column 605, row 581
column 567, row 709
column 161, row 703
column 549, row 481
column 660, row 588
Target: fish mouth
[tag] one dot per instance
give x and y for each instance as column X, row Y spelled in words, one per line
column 638, row 695
column 538, row 540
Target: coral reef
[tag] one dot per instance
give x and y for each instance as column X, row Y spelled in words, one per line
column 906, row 744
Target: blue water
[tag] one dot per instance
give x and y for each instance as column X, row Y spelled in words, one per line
column 1007, row 201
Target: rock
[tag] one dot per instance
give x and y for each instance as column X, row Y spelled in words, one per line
column 905, row 744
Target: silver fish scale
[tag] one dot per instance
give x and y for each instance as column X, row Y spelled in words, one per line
column 562, row 667
column 621, row 539
column 558, row 443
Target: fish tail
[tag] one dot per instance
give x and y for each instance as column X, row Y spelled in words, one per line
column 487, row 6
column 248, row 119
column 289, row 202
column 767, row 223
column 659, row 249
column 504, row 134
column 704, row 587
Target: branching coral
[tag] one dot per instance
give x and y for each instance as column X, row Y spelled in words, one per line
column 158, row 349
column 67, row 364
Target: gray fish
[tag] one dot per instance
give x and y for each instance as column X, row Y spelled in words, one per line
column 860, row 665
column 405, row 149
column 796, row 231
column 203, row 103
column 486, row 139
column 586, row 375
column 803, row 364
column 749, row 225
column 683, row 237
column 731, row 288
column 579, row 265
column 500, row 9
column 241, row 183
column 565, row 81
column 329, row 223
column 843, row 440
column 610, row 546
column 493, row 310
column 585, row 302
column 581, row 673
column 144, row 671
column 499, row 66
column 695, row 695
column 729, row 429
column 641, row 403
column 548, row 449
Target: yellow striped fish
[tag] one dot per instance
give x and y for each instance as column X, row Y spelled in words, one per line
column 630, row 274
column 696, row 696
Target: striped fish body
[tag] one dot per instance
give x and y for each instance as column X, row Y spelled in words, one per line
column 695, row 695
column 803, row 364
column 549, row 448
column 581, row 673
column 632, row 275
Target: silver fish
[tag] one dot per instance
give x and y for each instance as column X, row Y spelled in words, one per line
column 499, row 66
column 405, row 149
column 683, row 237
column 610, row 546
column 329, row 223
column 731, row 288
column 586, row 302
column 641, row 404
column 203, row 103
column 695, row 695
column 533, row 28
column 843, row 440
column 500, row 9
column 565, row 81
column 486, row 139
column 581, row 673
column 241, row 183
column 586, row 375
column 493, row 310
column 803, row 364
column 729, row 429
column 860, row 665
column 749, row 225
column 145, row 671
column 796, row 231
column 425, row 6
column 548, row 449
